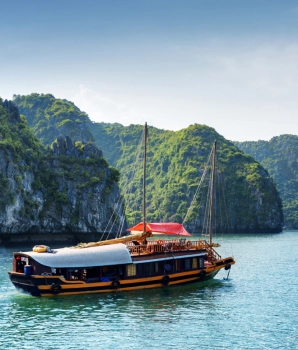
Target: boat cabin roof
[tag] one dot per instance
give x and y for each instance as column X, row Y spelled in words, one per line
column 83, row 257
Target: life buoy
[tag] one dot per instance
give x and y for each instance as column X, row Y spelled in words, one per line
column 227, row 267
column 40, row 248
column 55, row 288
column 202, row 273
column 150, row 248
column 165, row 280
column 188, row 244
column 115, row 284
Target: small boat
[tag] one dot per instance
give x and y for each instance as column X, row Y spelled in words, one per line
column 132, row 262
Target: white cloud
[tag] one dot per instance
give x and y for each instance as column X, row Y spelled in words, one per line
column 245, row 92
column 103, row 108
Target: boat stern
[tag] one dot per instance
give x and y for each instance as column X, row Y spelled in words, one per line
column 24, row 283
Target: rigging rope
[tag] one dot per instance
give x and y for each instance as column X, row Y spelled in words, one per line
column 198, row 188
column 120, row 205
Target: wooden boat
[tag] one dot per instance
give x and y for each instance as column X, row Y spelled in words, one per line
column 127, row 263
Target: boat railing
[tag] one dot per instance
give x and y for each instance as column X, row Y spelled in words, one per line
column 161, row 246
column 212, row 254
column 136, row 249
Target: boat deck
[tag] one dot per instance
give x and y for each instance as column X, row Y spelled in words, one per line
column 168, row 255
column 160, row 249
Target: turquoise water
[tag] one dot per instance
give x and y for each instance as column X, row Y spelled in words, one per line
column 257, row 308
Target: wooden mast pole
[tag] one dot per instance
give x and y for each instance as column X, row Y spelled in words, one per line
column 144, row 178
column 212, row 191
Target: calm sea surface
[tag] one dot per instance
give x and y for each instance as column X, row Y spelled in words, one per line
column 257, row 308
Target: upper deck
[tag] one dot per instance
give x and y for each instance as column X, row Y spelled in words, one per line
column 171, row 247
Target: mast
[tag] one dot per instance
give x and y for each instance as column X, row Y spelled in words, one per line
column 212, row 191
column 144, row 178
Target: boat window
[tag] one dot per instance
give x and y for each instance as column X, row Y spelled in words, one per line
column 110, row 271
column 168, row 267
column 20, row 266
column 194, row 263
column 131, row 270
column 75, row 274
column 178, row 264
column 92, row 272
column 201, row 263
column 150, row 268
column 120, row 270
column 187, row 264
column 20, row 262
column 61, row 272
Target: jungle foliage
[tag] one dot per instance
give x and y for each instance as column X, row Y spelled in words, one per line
column 174, row 166
column 175, row 163
column 21, row 153
column 280, row 157
column 50, row 117
column 20, row 150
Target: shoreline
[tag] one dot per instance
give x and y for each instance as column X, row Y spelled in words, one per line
column 71, row 238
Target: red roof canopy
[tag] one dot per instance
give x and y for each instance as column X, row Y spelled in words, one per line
column 168, row 228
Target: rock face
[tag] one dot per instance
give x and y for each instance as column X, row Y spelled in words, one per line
column 247, row 202
column 174, row 166
column 280, row 156
column 68, row 188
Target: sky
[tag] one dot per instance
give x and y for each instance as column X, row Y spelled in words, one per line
column 228, row 64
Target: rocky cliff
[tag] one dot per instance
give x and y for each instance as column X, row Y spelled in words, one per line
column 249, row 200
column 57, row 192
column 280, row 156
column 174, row 165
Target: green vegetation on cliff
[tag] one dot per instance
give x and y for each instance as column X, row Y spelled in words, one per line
column 50, row 117
column 65, row 187
column 20, row 150
column 175, row 163
column 280, row 157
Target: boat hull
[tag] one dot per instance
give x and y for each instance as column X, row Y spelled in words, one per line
column 46, row 286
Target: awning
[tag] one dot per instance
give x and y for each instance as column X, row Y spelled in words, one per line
column 168, row 228
column 86, row 257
